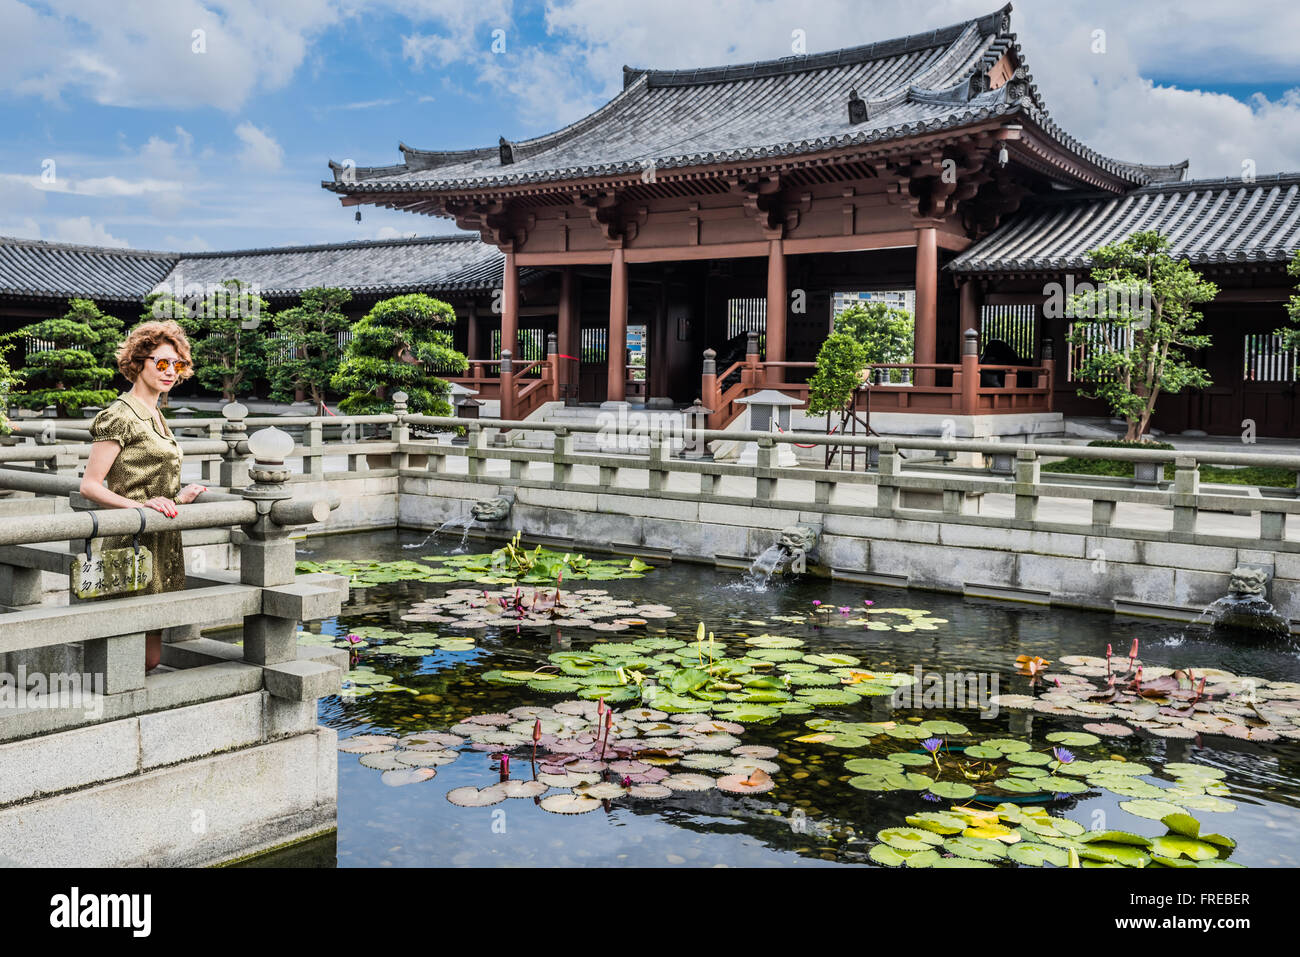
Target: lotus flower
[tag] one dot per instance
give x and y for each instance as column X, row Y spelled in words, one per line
column 505, row 766
column 1063, row 755
column 868, row 602
column 816, row 603
column 1031, row 666
column 353, row 639
column 929, row 797
column 845, row 609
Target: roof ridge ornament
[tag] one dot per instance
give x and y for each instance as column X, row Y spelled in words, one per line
column 979, row 83
column 857, row 108
column 507, row 151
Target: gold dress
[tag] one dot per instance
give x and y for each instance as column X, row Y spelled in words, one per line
column 149, row 465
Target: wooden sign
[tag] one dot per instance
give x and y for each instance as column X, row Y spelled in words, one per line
column 112, row 571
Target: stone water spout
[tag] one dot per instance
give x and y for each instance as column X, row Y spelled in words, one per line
column 494, row 509
column 796, row 544
column 1246, row 606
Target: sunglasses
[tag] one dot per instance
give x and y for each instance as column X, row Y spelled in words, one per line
column 162, row 365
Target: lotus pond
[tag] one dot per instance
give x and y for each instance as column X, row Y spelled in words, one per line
column 577, row 714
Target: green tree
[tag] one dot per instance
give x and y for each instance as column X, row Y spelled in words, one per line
column 1290, row 335
column 884, row 331
column 71, row 374
column 223, row 327
column 1144, row 302
column 400, row 345
column 839, row 373
column 311, row 334
column 9, row 382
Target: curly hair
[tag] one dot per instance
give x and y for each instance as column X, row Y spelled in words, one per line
column 141, row 341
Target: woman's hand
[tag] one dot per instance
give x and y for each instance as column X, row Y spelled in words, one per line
column 163, row 504
column 189, row 493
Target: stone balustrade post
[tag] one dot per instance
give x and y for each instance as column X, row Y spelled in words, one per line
column 889, row 465
column 400, row 432
column 233, row 473
column 561, row 451
column 1026, row 485
column 313, row 459
column 474, row 436
column 267, row 556
column 658, row 470
column 115, row 664
column 1187, row 487
column 765, row 487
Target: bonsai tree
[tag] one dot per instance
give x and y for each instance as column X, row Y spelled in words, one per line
column 71, row 374
column 311, row 331
column 399, row 346
column 226, row 343
column 1290, row 335
column 885, row 332
column 1145, row 299
column 839, row 373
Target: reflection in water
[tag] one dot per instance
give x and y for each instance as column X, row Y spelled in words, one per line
column 812, row 817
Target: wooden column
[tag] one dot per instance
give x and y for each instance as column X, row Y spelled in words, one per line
column 927, row 294
column 776, row 311
column 510, row 304
column 564, row 328
column 471, row 331
column 969, row 305
column 617, row 343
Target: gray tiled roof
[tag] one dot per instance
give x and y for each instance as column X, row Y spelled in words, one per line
column 451, row 263
column 1207, row 221
column 775, row 108
column 38, row 269
column 461, row 263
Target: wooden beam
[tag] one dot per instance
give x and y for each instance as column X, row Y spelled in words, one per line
column 582, row 257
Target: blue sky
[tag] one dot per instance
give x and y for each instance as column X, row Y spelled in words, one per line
column 155, row 145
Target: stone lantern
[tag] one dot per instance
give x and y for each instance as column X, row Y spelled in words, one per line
column 769, row 411
column 696, row 419
column 467, row 407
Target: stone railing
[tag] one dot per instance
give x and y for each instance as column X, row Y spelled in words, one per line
column 266, row 594
column 943, row 493
column 932, row 492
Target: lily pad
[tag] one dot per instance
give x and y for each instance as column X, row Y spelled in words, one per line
column 954, row 790
column 1152, row 810
column 1038, row 855
column 1073, row 739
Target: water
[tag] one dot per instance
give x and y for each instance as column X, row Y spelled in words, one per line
column 812, row 818
column 760, row 572
column 465, row 524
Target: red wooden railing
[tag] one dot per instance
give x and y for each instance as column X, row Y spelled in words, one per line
column 963, row 396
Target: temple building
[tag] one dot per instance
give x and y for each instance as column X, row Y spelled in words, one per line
column 695, row 236
column 705, row 203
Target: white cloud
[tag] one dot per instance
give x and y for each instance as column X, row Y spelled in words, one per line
column 260, row 151
column 143, row 54
column 194, row 244
column 80, row 229
column 102, row 186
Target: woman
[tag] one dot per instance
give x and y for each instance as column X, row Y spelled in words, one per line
column 136, row 456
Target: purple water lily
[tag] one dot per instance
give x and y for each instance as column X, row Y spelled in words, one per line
column 845, row 609
column 1064, row 755
column 930, row 797
column 933, row 745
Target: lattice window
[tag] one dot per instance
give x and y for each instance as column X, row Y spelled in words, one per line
column 746, row 315
column 1017, row 326
column 1265, row 360
column 1100, row 337
column 594, row 342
